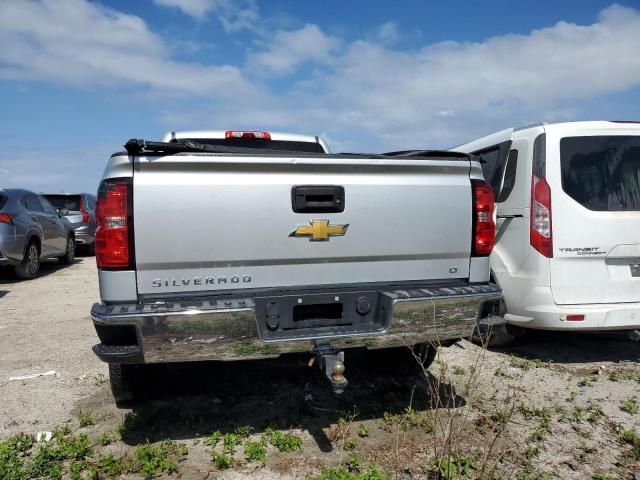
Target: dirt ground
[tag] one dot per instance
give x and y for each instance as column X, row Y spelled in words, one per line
column 551, row 406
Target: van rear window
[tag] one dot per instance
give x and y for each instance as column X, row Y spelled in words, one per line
column 602, row 173
column 70, row 202
column 3, row 200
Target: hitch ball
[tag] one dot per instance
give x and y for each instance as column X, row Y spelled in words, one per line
column 337, row 371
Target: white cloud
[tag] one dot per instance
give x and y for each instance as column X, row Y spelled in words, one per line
column 82, row 43
column 233, row 14
column 367, row 96
column 290, row 49
column 399, row 96
column 388, row 33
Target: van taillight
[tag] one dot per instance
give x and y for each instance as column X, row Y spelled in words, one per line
column 541, row 237
column 484, row 228
column 113, row 214
column 6, row 218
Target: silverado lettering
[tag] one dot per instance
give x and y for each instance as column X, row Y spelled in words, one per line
column 197, row 281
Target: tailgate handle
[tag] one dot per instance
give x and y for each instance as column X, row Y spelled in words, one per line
column 317, row 199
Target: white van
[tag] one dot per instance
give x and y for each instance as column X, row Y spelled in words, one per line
column 567, row 251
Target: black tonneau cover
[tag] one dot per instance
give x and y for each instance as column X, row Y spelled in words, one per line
column 146, row 147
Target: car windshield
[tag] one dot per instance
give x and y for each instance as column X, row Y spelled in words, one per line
column 70, row 202
column 602, row 173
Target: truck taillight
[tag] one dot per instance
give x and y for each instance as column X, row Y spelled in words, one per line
column 540, row 228
column 484, row 227
column 243, row 134
column 113, row 234
column 86, row 218
column 6, row 218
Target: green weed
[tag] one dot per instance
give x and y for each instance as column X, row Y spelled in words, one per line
column 155, row 460
column 340, row 473
column 85, row 418
column 255, row 451
column 12, row 451
column 630, row 406
column 221, row 460
column 105, row 439
column 230, row 441
column 363, row 430
column 284, row 442
column 632, row 438
column 457, row 466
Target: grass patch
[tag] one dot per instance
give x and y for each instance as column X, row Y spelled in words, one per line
column 12, row 453
column 340, row 473
column 85, row 418
column 155, row 460
column 222, row 461
column 230, row 441
column 632, row 438
column 284, row 442
column 630, row 406
column 106, row 439
column 457, row 466
column 363, row 430
column 255, row 451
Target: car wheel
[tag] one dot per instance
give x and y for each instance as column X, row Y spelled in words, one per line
column 122, row 378
column 70, row 254
column 30, row 265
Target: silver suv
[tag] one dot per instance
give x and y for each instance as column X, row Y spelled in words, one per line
column 81, row 213
column 32, row 230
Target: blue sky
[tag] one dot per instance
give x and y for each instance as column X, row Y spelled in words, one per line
column 78, row 78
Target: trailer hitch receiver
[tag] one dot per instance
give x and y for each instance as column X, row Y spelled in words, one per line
column 331, row 362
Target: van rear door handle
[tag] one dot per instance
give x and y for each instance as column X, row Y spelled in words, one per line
column 317, row 199
column 509, row 216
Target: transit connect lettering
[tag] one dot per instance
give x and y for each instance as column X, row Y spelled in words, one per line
column 199, row 281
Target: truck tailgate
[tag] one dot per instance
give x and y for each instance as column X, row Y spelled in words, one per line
column 226, row 222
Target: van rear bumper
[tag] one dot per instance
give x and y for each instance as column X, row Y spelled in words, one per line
column 227, row 329
column 542, row 313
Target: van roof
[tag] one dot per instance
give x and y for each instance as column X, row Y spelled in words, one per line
column 507, row 134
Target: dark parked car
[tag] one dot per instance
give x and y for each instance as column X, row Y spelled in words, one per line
column 81, row 209
column 32, row 230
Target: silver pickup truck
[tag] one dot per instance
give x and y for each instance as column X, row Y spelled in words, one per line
column 245, row 245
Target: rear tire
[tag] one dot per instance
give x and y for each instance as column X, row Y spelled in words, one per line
column 495, row 339
column 70, row 253
column 122, row 378
column 405, row 360
column 487, row 336
column 30, row 265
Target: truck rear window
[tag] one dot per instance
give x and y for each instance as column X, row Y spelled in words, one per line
column 70, row 202
column 602, row 173
column 307, row 147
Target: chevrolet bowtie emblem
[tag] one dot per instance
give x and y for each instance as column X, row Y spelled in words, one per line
column 319, row 231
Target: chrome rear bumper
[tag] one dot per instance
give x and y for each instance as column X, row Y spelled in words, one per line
column 215, row 329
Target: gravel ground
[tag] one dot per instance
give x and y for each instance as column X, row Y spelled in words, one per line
column 551, row 406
